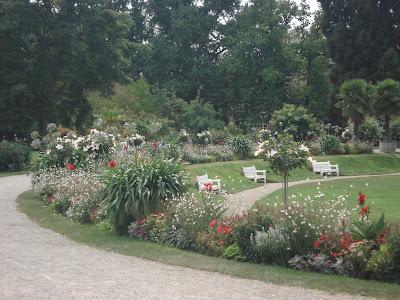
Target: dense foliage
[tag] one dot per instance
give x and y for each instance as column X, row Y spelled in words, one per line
column 135, row 189
column 14, row 156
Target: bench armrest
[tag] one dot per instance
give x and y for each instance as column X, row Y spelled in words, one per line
column 263, row 172
column 335, row 166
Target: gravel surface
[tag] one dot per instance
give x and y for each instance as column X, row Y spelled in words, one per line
column 37, row 263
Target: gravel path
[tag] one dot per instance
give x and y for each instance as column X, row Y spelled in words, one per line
column 37, row 263
column 242, row 201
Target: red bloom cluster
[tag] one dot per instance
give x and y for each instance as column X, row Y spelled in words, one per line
column 361, row 198
column 224, row 229
column 208, row 186
column 221, row 227
column 112, row 164
column 364, row 209
column 322, row 239
column 212, row 223
column 70, row 167
column 154, row 146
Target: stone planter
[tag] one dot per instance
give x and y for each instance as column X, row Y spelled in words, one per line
column 387, row 146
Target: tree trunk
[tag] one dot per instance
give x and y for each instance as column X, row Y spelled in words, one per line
column 285, row 189
column 387, row 128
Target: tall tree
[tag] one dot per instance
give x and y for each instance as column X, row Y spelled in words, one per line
column 311, row 84
column 185, row 43
column 363, row 38
column 52, row 52
column 255, row 71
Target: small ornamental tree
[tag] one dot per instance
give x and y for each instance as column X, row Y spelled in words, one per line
column 283, row 155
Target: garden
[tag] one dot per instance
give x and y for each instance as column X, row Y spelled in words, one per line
column 117, row 181
column 146, row 128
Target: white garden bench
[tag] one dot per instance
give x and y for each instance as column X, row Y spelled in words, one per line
column 254, row 174
column 325, row 167
column 203, row 179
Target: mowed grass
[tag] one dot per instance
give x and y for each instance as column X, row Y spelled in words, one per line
column 233, row 180
column 382, row 192
column 91, row 235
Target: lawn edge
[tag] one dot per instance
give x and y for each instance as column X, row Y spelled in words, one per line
column 294, row 278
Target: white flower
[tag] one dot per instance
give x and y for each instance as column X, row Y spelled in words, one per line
column 59, row 147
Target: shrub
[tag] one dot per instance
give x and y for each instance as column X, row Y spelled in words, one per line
column 395, row 129
column 13, row 156
column 394, row 247
column 209, row 153
column 135, row 189
column 233, row 252
column 380, row 264
column 319, row 263
column 241, row 146
column 245, row 230
column 329, row 144
column 370, row 130
column 358, row 256
column 76, row 194
column 272, row 246
column 187, row 216
column 218, row 237
column 294, row 119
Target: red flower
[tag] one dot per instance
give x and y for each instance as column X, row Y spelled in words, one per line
column 228, row 229
column 112, row 164
column 322, row 238
column 361, row 198
column 154, row 146
column 208, row 186
column 364, row 211
column 70, row 167
column 334, row 254
column 220, row 229
column 316, row 244
column 345, row 242
column 212, row 223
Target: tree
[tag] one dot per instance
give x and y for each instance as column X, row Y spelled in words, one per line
column 311, row 86
column 185, row 44
column 256, row 68
column 294, row 119
column 283, row 155
column 53, row 52
column 355, row 101
column 363, row 39
column 387, row 102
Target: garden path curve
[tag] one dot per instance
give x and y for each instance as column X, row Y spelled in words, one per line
column 37, row 263
column 242, row 201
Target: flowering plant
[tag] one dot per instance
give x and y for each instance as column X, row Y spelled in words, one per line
column 99, row 144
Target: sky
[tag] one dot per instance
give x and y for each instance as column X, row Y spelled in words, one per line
column 313, row 4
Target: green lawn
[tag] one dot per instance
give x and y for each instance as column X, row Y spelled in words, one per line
column 231, row 172
column 382, row 193
column 90, row 235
